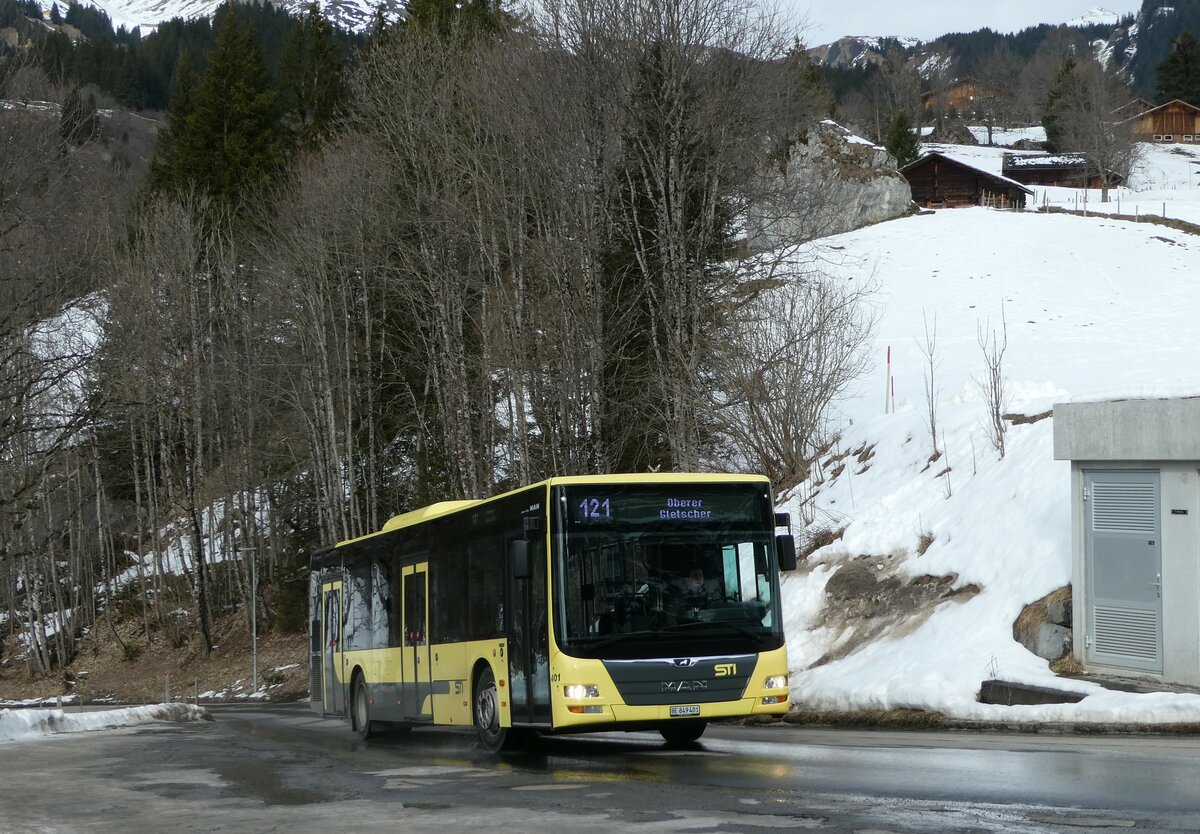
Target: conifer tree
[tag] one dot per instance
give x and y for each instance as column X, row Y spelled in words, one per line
column 1179, row 72
column 1060, row 91
column 901, row 142
column 166, row 167
column 229, row 143
column 313, row 80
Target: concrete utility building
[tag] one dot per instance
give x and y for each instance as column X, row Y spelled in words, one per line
column 1135, row 513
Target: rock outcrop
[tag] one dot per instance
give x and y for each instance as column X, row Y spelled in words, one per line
column 1044, row 626
column 831, row 182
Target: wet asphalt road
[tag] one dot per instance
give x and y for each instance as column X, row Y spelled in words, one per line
column 282, row 769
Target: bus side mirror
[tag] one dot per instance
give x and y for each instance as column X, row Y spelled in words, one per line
column 785, row 548
column 521, row 566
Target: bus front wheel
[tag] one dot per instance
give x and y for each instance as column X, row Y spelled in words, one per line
column 682, row 732
column 361, row 717
column 487, row 714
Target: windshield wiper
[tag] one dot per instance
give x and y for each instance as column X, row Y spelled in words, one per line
column 757, row 636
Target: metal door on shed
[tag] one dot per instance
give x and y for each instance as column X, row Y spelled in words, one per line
column 1123, row 556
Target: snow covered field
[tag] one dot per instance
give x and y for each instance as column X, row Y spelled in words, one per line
column 26, row 724
column 1095, row 309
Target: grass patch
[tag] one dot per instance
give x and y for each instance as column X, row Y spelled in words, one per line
column 1066, row 665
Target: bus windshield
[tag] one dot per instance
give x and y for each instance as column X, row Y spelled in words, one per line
column 646, row 570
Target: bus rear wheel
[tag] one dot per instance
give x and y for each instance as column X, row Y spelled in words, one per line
column 361, row 710
column 682, row 732
column 487, row 714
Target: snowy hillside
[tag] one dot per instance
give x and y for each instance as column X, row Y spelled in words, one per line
column 1079, row 296
column 354, row 15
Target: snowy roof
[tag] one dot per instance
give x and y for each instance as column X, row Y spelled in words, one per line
column 1044, row 161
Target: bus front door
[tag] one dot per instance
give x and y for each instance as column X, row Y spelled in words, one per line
column 415, row 666
column 528, row 643
column 333, row 689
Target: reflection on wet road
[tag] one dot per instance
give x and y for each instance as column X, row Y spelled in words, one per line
column 282, row 769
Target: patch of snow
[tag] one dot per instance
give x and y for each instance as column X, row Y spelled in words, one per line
column 850, row 137
column 26, row 724
column 57, row 701
column 1096, row 16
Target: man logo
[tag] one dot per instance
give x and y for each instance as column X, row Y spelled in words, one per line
column 726, row 670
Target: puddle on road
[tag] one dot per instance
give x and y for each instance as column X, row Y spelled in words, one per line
column 259, row 779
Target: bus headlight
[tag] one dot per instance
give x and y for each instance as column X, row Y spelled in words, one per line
column 776, row 682
column 582, row 690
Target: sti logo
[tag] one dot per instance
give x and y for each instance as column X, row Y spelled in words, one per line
column 726, row 670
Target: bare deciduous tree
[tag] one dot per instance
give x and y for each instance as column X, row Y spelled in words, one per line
column 992, row 385
column 997, row 88
column 1086, row 124
column 932, row 391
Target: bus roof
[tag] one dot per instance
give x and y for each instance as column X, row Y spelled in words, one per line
column 442, row 508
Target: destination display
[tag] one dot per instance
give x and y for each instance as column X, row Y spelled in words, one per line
column 594, row 507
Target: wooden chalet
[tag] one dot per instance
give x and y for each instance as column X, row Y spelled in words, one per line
column 939, row 181
column 1068, row 170
column 1175, row 121
column 960, row 95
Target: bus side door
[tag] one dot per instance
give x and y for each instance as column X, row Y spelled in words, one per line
column 528, row 642
column 414, row 655
column 333, row 690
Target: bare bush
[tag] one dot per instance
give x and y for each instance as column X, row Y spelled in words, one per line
column 797, row 348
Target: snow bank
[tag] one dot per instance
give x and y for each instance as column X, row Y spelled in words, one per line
column 23, row 724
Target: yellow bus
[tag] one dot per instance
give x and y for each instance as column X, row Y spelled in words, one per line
column 587, row 603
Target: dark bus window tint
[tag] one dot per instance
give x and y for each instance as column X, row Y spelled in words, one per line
column 485, row 560
column 383, row 609
column 414, row 610
column 448, row 579
column 359, row 633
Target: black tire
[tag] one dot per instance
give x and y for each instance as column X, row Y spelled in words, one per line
column 680, row 733
column 360, row 710
column 487, row 714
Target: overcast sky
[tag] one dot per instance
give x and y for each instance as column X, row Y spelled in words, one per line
column 829, row 20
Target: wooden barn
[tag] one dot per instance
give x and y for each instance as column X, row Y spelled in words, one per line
column 961, row 95
column 1175, row 121
column 938, row 181
column 1068, row 170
